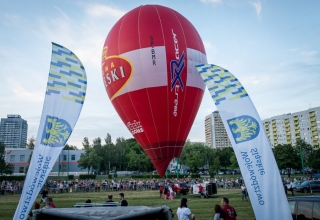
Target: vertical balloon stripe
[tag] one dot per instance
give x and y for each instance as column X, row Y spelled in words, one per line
column 250, row 143
column 65, row 94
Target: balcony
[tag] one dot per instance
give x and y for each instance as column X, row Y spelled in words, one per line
column 313, row 124
column 311, row 114
column 296, row 119
column 315, row 139
column 314, row 129
column 297, row 136
column 296, row 123
column 288, row 142
column 312, row 119
column 287, row 125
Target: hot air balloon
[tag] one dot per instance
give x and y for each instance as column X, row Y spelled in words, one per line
column 148, row 69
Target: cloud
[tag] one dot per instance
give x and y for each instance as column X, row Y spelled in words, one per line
column 258, row 7
column 12, row 19
column 211, row 1
column 98, row 10
column 64, row 14
column 24, row 95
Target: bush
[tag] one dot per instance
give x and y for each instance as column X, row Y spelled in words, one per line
column 109, row 176
column 12, row 178
column 70, row 177
column 195, row 175
column 87, row 176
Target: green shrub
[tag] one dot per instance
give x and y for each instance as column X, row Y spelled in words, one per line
column 195, row 175
column 109, row 176
column 12, row 178
column 70, row 177
column 87, row 176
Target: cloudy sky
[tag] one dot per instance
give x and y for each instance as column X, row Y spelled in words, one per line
column 272, row 47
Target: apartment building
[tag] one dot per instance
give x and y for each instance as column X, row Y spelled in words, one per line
column 288, row 128
column 13, row 131
column 215, row 132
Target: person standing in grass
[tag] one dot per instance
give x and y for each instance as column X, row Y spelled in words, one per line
column 184, row 212
column 217, row 210
column 244, row 192
column 228, row 211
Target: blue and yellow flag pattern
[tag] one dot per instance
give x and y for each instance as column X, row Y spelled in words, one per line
column 67, row 76
column 222, row 84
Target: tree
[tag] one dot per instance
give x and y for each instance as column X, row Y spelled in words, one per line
column 30, row 146
column 216, row 165
column 234, row 161
column 304, row 150
column 287, row 157
column 70, row 147
column 31, row 143
column 225, row 155
column 314, row 159
column 5, row 168
column 137, row 159
column 194, row 155
column 89, row 159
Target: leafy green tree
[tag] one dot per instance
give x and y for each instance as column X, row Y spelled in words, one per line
column 304, row 149
column 234, row 161
column 5, row 168
column 194, row 155
column 122, row 149
column 287, row 157
column 225, row 154
column 70, row 147
column 89, row 158
column 314, row 159
column 137, row 159
column 216, row 165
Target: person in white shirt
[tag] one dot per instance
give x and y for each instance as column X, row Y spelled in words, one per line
column 184, row 212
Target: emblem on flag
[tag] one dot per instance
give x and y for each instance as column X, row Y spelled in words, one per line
column 56, row 132
column 243, row 128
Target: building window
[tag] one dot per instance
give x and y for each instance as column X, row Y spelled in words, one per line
column 21, row 169
column 12, row 158
column 22, row 157
column 64, row 157
column 73, row 157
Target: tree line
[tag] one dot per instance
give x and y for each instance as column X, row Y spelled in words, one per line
column 103, row 156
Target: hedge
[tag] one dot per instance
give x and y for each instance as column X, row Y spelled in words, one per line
column 11, row 178
column 70, row 177
column 87, row 176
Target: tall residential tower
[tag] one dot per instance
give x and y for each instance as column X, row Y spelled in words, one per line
column 216, row 134
column 13, row 131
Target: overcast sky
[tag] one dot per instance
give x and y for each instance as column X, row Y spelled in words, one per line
column 272, row 47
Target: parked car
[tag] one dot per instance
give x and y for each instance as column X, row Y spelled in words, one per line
column 308, row 185
column 316, row 176
column 304, row 207
column 182, row 188
column 221, row 173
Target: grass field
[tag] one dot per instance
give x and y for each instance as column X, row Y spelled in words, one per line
column 202, row 208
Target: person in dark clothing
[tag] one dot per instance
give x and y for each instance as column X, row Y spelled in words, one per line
column 123, row 201
column 44, row 195
column 110, row 198
column 228, row 211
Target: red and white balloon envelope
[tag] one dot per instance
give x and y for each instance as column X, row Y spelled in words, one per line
column 148, row 69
